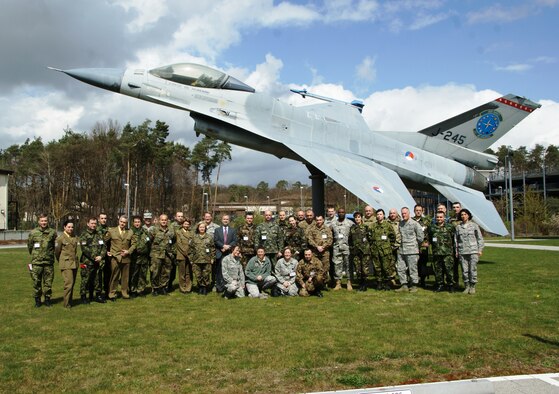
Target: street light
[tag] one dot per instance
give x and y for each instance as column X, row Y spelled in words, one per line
column 127, row 187
column 246, row 203
column 206, row 201
column 345, row 202
column 301, row 188
column 268, row 202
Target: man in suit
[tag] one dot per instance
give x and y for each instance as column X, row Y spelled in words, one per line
column 225, row 238
column 121, row 243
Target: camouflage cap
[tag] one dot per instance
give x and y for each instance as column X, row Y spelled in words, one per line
column 147, row 215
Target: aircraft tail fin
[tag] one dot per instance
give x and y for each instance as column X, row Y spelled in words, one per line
column 480, row 127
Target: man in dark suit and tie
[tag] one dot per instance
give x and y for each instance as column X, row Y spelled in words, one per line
column 225, row 238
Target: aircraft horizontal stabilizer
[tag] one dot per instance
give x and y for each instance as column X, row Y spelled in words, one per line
column 378, row 186
column 483, row 211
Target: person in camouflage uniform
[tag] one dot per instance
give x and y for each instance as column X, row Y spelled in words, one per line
column 309, row 220
column 140, row 259
column 104, row 275
column 246, row 241
column 319, row 240
column 330, row 216
column 282, row 220
column 455, row 220
column 425, row 222
column 383, row 241
column 268, row 235
column 294, row 238
column 176, row 225
column 162, row 239
column 184, row 235
column 340, row 257
column 258, row 275
column 93, row 256
column 359, row 246
column 285, row 273
column 309, row 275
column 40, row 245
column 442, row 239
column 202, row 256
column 394, row 220
column 469, row 248
column 233, row 274
column 408, row 254
column 370, row 216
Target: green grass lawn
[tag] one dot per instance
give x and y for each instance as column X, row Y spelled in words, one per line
column 526, row 241
column 345, row 340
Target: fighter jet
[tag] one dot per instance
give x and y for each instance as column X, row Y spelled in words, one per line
column 331, row 137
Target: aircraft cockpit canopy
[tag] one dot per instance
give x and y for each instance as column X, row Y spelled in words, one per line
column 200, row 76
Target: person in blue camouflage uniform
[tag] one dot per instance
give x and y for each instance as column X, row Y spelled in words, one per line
column 40, row 245
column 408, row 253
column 233, row 274
column 383, row 243
column 469, row 248
column 140, row 259
column 294, row 238
column 340, row 250
column 92, row 260
column 441, row 237
column 360, row 249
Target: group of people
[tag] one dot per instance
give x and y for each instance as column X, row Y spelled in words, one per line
column 300, row 255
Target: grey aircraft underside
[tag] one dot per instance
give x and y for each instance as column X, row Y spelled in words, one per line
column 332, row 136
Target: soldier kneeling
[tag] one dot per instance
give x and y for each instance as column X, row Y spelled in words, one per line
column 310, row 275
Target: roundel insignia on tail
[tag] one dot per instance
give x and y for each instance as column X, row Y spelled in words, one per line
column 378, row 189
column 487, row 124
column 409, row 155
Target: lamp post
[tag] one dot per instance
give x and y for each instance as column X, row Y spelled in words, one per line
column 345, row 201
column 127, row 187
column 301, row 189
column 543, row 173
column 268, row 202
column 511, row 202
column 206, row 202
column 246, row 203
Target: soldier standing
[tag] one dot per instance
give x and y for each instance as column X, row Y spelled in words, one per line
column 105, row 272
column 176, row 225
column 330, row 216
column 184, row 237
column 210, row 225
column 269, row 236
column 140, row 259
column 147, row 220
column 424, row 222
column 40, row 245
column 295, row 238
column 246, row 239
column 202, row 255
column 162, row 239
column 66, row 251
column 309, row 220
column 408, row 254
column 340, row 232
column 282, row 220
column 441, row 238
column 394, row 221
column 94, row 252
column 310, row 275
column 370, row 216
column 319, row 240
column 469, row 247
column 382, row 247
column 121, row 244
column 455, row 220
column 359, row 246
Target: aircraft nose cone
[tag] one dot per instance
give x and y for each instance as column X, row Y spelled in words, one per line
column 105, row 78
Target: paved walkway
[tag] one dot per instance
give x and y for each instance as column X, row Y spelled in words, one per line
column 522, row 384
column 521, row 246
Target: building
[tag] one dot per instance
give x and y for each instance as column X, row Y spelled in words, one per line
column 4, row 177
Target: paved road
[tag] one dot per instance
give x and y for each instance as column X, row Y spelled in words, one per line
column 522, row 384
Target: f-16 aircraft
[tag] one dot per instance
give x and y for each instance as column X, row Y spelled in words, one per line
column 331, row 137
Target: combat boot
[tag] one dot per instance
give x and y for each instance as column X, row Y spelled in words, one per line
column 85, row 301
column 402, row 289
column 379, row 285
column 37, row 302
column 413, row 289
column 349, row 286
column 472, row 289
column 47, row 302
column 363, row 286
column 439, row 288
column 466, row 290
column 338, row 285
column 303, row 292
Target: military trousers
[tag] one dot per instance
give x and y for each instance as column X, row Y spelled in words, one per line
column 407, row 269
column 42, row 276
column 120, row 273
column 254, row 289
column 234, row 290
column 469, row 268
column 443, row 267
column 341, row 263
column 185, row 276
column 290, row 290
column 316, row 284
column 88, row 273
column 385, row 269
column 139, row 274
column 324, row 258
column 422, row 268
column 69, row 280
column 360, row 266
column 160, row 270
column 202, row 273
column 99, row 278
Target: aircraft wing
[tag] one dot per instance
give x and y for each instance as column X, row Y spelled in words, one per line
column 373, row 183
column 483, row 211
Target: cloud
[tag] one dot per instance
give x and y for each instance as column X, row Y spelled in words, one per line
column 147, row 12
column 425, row 20
column 498, row 13
column 514, row 67
column 366, row 70
column 350, row 10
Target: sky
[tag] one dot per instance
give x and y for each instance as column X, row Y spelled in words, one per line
column 412, row 62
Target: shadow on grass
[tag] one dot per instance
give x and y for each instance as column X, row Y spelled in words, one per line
column 485, row 262
column 542, row 340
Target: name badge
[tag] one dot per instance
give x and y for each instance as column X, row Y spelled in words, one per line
column 36, row 245
column 364, row 239
column 324, row 236
column 170, row 241
column 340, row 236
column 147, row 239
column 312, row 273
column 292, row 274
column 264, row 238
column 207, row 251
column 434, row 239
column 101, row 242
column 245, row 238
column 383, row 237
